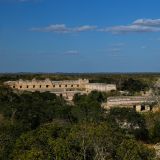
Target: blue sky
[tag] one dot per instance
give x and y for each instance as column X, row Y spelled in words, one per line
column 79, row 36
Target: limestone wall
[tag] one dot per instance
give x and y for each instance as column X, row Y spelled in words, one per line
column 66, row 88
column 47, row 84
column 127, row 100
column 66, row 85
column 139, row 103
column 100, row 87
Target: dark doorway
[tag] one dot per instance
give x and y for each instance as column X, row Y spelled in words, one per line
column 142, row 107
column 134, row 107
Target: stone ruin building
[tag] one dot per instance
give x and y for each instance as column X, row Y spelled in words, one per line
column 139, row 103
column 68, row 88
column 65, row 88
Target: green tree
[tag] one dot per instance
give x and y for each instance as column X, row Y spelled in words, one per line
column 8, row 135
column 130, row 121
column 156, row 132
column 133, row 85
column 130, row 149
column 87, row 111
column 42, row 143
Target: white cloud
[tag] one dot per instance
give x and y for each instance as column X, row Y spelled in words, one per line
column 62, row 28
column 130, row 28
column 53, row 28
column 138, row 26
column 84, row 28
column 147, row 22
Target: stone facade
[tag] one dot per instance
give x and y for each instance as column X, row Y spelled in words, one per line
column 100, row 87
column 65, row 88
column 139, row 103
column 47, row 84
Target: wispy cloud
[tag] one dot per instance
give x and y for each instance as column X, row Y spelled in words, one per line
column 147, row 22
column 62, row 28
column 138, row 26
column 84, row 28
column 130, row 29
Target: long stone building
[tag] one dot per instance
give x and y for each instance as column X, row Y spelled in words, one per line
column 139, row 103
column 65, row 88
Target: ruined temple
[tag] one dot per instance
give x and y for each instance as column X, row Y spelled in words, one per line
column 139, row 103
column 68, row 88
column 65, row 88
